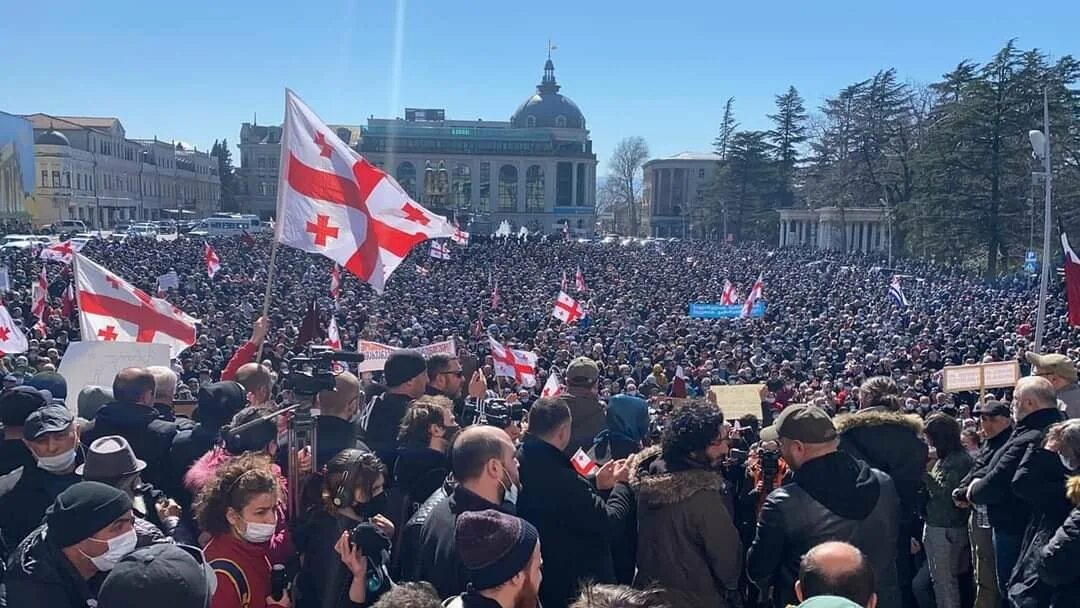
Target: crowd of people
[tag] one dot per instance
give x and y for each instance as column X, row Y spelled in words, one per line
column 859, row 481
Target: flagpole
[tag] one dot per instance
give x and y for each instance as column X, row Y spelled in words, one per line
column 266, row 298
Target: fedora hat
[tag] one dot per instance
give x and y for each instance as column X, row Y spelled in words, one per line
column 109, row 458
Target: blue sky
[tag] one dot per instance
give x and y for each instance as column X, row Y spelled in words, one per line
column 195, row 70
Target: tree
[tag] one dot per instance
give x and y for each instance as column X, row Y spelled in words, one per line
column 747, row 185
column 220, row 151
column 728, row 125
column 625, row 174
column 787, row 135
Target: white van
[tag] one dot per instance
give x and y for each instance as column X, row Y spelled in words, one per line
column 221, row 226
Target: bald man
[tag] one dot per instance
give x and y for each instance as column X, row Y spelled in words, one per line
column 334, row 427
column 837, row 569
column 257, row 383
column 1035, row 410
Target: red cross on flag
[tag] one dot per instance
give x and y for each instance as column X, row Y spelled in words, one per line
column 335, row 282
column 440, row 251
column 579, row 281
column 552, row 388
column 113, row 310
column 213, row 262
column 333, row 202
column 728, row 295
column 584, row 465
column 420, row 270
column 39, row 303
column 61, row 252
column 755, row 294
column 11, row 339
column 333, row 338
column 460, row 236
column 517, row 364
column 567, row 309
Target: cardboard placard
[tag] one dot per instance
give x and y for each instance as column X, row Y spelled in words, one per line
column 97, row 362
column 376, row 354
column 959, row 378
column 738, row 400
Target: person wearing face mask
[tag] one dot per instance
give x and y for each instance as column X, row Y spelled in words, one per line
column 237, row 509
column 687, row 541
column 52, row 437
column 832, row 496
column 87, row 529
column 1057, row 559
column 486, row 470
column 336, row 573
column 627, row 422
column 422, row 464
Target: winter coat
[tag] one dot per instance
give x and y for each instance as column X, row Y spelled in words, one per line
column 1039, row 481
column 419, row 471
column 889, row 442
column 1057, row 559
column 150, row 437
column 27, row 492
column 985, row 456
column 1069, row 400
column 941, row 480
column 39, row 574
column 575, row 521
column 627, row 418
column 995, row 489
column 588, row 418
column 687, row 542
column 407, row 547
column 832, row 497
column 384, row 422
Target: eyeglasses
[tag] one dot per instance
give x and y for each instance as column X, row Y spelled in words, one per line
column 459, row 373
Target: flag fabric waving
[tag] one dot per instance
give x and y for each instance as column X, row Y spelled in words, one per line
column 68, row 301
column 552, row 388
column 517, row 364
column 439, row 251
column 562, row 284
column 213, row 262
column 333, row 338
column 584, row 465
column 420, row 270
column 61, row 252
column 896, row 294
column 113, row 310
column 579, row 281
column 335, row 282
column 333, row 202
column 1072, row 281
column 39, row 303
column 755, row 294
column 460, row 236
column 12, row 340
column 247, row 239
column 567, row 309
column 728, row 295
column 495, row 296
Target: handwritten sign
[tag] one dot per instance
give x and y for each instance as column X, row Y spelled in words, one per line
column 97, row 362
column 738, row 400
column 376, row 354
column 958, row 378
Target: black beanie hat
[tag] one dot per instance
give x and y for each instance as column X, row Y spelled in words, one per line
column 18, row 403
column 402, row 366
column 220, row 401
column 82, row 510
column 163, row 575
column 493, row 546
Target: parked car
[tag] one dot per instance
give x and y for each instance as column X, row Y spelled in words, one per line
column 143, row 230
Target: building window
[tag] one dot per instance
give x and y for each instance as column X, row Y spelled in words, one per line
column 564, row 176
column 534, row 188
column 44, row 179
column 67, row 179
column 530, row 121
column 701, row 174
column 273, row 162
column 406, row 178
column 580, row 186
column 508, row 184
column 462, row 190
column 485, row 187
column 90, row 178
column 55, row 179
column 262, row 162
column 78, row 181
column 560, row 121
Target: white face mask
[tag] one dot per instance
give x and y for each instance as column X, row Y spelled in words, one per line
column 57, row 464
column 119, row 546
column 255, row 532
column 510, row 489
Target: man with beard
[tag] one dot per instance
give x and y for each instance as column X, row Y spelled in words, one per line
column 687, row 541
column 832, row 497
column 427, row 432
column 502, row 555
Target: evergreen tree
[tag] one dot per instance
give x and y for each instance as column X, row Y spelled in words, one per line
column 787, row 135
column 226, row 174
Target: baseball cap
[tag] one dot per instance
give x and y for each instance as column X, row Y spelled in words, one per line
column 16, row 405
column 175, row 576
column 582, row 369
column 50, row 418
column 1056, row 364
column 828, row 601
column 806, row 423
column 992, row 407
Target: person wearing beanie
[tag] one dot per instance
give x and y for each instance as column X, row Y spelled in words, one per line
column 88, row 529
column 51, row 435
column 501, row 554
column 218, row 403
column 90, row 400
column 16, row 404
column 159, row 576
column 406, row 379
column 582, row 396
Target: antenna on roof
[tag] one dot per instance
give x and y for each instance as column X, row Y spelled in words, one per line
column 551, row 47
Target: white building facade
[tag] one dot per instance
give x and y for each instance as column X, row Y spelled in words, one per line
column 675, row 192
column 863, row 229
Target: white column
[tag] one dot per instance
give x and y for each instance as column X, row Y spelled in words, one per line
column 783, row 228
column 876, row 241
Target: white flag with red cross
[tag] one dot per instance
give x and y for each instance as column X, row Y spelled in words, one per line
column 727, row 296
column 579, row 281
column 552, row 388
column 12, row 340
column 333, row 202
column 213, row 262
column 755, row 294
column 61, row 252
column 39, row 303
column 420, row 270
column 584, row 465
column 567, row 309
column 440, row 251
column 333, row 337
column 335, row 282
column 460, row 236
column 113, row 310
column 517, row 364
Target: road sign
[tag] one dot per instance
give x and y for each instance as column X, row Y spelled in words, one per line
column 1030, row 262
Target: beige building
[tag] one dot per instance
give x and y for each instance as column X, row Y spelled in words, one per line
column 88, row 169
column 835, row 228
column 675, row 192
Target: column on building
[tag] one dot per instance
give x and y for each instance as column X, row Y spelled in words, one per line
column 783, row 229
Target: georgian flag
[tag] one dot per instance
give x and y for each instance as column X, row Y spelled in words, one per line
column 755, row 294
column 567, row 309
column 584, row 465
column 440, row 251
column 1072, row 281
column 579, row 281
column 517, row 364
column 728, row 295
column 12, row 340
column 213, row 262
column 61, row 252
column 460, row 236
column 896, row 294
column 335, row 282
column 552, row 388
column 39, row 303
column 420, row 270
column 333, row 338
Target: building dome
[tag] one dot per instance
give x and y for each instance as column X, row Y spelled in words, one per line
column 52, row 137
column 547, row 108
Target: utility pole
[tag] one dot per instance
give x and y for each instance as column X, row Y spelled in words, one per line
column 1040, row 143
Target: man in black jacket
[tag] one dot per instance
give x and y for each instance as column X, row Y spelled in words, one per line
column 487, row 474
column 576, row 522
column 218, row 403
column 995, row 427
column 832, row 496
column 406, row 379
column 133, row 417
column 1009, row 515
column 16, row 404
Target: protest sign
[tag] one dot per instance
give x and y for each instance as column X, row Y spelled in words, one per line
column 376, row 354
column 97, row 362
column 738, row 400
column 958, row 378
column 700, row 310
column 169, row 280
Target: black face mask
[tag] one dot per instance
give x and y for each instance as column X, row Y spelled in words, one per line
column 376, row 506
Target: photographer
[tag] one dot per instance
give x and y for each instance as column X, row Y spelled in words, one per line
column 344, row 539
column 766, row 471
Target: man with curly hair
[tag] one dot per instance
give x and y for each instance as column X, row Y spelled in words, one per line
column 687, row 543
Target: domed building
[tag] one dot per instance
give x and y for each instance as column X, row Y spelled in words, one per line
column 547, row 108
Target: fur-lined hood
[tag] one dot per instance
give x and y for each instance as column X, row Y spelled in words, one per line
column 659, row 489
column 1072, row 489
column 877, row 417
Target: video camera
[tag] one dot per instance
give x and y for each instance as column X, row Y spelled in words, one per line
column 308, row 375
column 496, row 412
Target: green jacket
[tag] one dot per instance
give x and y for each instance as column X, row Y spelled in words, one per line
column 941, row 480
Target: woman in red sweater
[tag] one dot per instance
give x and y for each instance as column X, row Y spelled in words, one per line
column 237, row 509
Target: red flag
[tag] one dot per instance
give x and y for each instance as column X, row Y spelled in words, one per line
column 247, row 239
column 1072, row 281
column 579, row 281
column 213, row 263
column 567, row 309
column 584, row 465
column 335, row 203
column 69, row 301
column 113, row 310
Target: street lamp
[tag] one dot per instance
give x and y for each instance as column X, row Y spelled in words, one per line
column 1040, row 144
